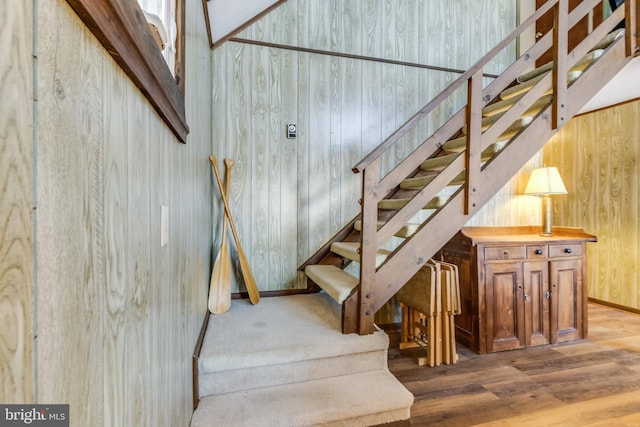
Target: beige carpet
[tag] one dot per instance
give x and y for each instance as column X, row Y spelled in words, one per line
column 285, row 362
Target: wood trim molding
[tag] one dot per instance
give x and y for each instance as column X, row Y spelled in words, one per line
column 213, row 44
column 614, row 305
column 352, row 56
column 194, row 360
column 121, row 28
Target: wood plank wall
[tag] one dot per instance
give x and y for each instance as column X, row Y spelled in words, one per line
column 290, row 195
column 16, row 227
column 116, row 315
column 597, row 155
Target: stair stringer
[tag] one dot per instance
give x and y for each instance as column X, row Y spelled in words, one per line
column 415, row 251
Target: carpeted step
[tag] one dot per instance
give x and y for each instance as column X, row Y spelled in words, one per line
column 360, row 399
column 283, row 340
column 337, row 283
column 405, row 231
column 351, row 250
column 397, row 204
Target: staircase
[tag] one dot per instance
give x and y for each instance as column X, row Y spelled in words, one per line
column 454, row 172
column 288, row 360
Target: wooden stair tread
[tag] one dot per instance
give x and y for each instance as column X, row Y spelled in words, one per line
column 521, row 88
column 583, row 63
column 609, row 38
column 337, row 283
column 350, row 250
column 460, row 144
column 438, row 163
column 500, row 107
column 406, row 231
column 518, row 124
column 536, row 72
column 397, row 204
column 418, row 183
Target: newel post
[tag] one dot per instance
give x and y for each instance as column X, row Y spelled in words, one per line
column 560, row 52
column 368, row 249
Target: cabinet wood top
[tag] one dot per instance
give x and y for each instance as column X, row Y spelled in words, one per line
column 520, row 234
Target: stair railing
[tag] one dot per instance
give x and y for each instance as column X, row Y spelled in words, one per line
column 361, row 307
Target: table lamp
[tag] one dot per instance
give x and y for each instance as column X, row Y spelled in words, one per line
column 544, row 182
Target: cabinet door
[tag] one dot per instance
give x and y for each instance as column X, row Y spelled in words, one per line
column 536, row 303
column 566, row 300
column 504, row 306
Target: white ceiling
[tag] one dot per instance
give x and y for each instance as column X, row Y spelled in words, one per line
column 625, row 86
column 227, row 16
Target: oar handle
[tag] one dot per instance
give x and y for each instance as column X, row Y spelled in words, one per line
column 228, row 164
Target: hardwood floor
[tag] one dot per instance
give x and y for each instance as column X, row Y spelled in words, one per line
column 594, row 382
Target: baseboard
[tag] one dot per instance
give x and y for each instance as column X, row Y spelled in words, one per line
column 194, row 360
column 614, row 305
column 280, row 293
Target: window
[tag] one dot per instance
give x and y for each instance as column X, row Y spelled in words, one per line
column 161, row 16
column 122, row 28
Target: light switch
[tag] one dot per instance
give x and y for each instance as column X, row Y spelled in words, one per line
column 292, row 131
column 164, row 225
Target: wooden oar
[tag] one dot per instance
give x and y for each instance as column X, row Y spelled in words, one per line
column 247, row 275
column 220, row 286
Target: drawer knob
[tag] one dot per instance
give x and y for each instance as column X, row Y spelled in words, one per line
column 538, row 251
column 567, row 250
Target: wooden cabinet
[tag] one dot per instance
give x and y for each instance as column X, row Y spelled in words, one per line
column 519, row 289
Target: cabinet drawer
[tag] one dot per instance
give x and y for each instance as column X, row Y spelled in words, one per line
column 565, row 250
column 536, row 251
column 504, row 252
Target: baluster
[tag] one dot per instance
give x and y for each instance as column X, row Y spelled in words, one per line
column 560, row 51
column 474, row 140
column 632, row 24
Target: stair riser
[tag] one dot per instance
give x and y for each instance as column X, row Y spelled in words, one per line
column 306, row 370
column 361, row 399
column 373, row 419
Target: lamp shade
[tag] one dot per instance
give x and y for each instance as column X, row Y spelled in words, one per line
column 545, row 180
